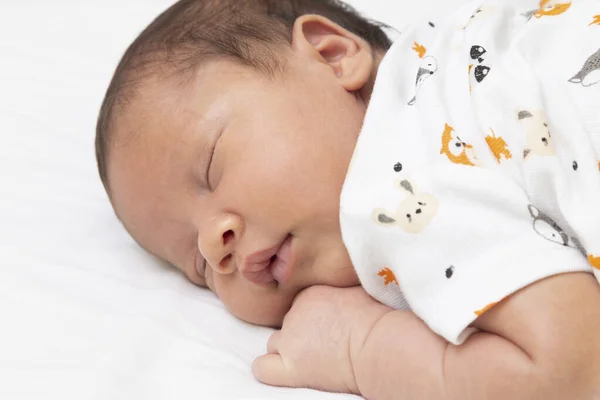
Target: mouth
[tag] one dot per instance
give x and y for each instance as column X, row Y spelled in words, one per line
column 269, row 266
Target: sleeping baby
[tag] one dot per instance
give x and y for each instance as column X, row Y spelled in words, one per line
column 421, row 220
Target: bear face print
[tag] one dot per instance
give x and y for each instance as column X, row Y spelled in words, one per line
column 414, row 213
column 538, row 140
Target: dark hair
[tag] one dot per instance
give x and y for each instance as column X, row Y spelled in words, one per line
column 193, row 31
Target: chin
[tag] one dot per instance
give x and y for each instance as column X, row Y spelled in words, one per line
column 347, row 271
column 344, row 277
column 351, row 281
column 268, row 312
column 274, row 321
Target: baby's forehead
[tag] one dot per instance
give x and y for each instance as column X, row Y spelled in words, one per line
column 164, row 94
column 147, row 112
column 164, row 124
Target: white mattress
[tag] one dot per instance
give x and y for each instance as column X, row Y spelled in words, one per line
column 84, row 313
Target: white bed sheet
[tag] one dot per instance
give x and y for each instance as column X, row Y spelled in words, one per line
column 84, row 313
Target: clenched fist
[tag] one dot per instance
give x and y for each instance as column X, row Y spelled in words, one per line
column 321, row 336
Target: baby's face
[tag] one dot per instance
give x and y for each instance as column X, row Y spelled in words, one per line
column 237, row 181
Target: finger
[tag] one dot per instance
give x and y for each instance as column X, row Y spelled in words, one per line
column 270, row 369
column 273, row 344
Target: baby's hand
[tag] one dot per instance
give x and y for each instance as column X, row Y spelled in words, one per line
column 321, row 335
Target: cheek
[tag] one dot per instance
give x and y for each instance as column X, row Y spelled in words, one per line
column 256, row 305
column 283, row 180
column 288, row 167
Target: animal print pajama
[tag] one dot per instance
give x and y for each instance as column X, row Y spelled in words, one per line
column 477, row 171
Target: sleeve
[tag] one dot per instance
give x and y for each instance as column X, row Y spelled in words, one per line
column 484, row 242
column 460, row 240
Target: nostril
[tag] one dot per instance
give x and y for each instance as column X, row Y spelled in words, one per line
column 227, row 237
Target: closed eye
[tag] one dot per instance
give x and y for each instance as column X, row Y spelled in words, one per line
column 210, row 162
column 211, row 159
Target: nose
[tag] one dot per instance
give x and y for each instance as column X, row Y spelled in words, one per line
column 217, row 242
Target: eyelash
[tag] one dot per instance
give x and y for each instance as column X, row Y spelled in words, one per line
column 210, row 160
column 212, row 155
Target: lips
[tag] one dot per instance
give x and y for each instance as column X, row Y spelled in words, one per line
column 270, row 265
column 281, row 267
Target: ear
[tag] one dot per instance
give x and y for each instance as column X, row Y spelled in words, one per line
column 524, row 114
column 407, row 185
column 381, row 217
column 349, row 55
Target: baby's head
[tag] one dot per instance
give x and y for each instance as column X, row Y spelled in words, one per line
column 224, row 139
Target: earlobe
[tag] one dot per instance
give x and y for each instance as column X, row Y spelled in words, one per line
column 349, row 56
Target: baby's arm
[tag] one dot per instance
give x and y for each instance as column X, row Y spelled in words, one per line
column 543, row 342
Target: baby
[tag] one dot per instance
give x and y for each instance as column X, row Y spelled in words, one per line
column 283, row 152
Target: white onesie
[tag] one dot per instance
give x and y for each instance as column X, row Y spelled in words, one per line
column 477, row 169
